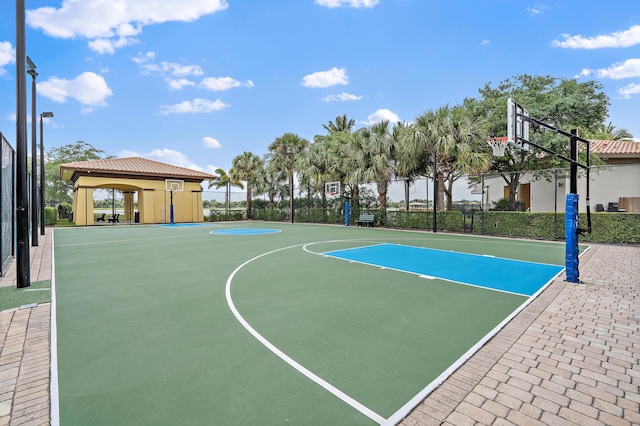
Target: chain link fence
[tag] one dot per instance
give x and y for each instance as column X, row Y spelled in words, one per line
column 7, row 203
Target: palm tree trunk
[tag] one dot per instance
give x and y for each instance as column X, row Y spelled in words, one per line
column 248, row 201
column 406, row 194
column 291, row 194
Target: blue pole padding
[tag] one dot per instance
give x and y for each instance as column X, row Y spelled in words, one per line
column 171, row 213
column 571, row 238
column 346, row 213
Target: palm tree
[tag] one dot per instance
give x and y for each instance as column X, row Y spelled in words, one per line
column 283, row 153
column 269, row 182
column 406, row 165
column 465, row 150
column 226, row 181
column 427, row 147
column 376, row 161
column 246, row 167
column 612, row 133
column 342, row 124
column 317, row 164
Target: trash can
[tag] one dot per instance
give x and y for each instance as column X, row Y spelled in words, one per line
column 71, row 217
column 136, row 217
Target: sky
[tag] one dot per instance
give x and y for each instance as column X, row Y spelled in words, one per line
column 195, row 83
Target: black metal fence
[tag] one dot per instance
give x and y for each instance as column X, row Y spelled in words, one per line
column 7, row 203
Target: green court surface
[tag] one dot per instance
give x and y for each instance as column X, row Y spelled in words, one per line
column 178, row 325
column 37, row 292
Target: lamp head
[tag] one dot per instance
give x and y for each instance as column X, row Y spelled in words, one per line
column 46, row 115
column 32, row 66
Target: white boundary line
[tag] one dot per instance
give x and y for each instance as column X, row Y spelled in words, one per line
column 413, row 402
column 318, row 380
column 53, row 387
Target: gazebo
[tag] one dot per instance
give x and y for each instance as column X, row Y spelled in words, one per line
column 135, row 175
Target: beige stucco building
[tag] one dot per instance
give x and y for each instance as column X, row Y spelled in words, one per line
column 139, row 180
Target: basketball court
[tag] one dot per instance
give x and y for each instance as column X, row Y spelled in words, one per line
column 307, row 324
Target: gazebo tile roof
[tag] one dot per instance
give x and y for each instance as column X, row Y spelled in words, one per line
column 135, row 166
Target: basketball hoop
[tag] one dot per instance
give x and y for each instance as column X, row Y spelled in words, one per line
column 498, row 145
column 332, row 188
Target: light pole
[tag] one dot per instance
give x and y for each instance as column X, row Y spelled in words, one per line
column 46, row 115
column 34, row 158
column 23, row 273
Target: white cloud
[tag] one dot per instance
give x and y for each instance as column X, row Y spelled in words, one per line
column 195, row 106
column 627, row 69
column 171, row 68
column 630, row 90
column 86, row 110
column 626, row 38
column 113, row 24
column 7, row 55
column 209, row 142
column 537, row 9
column 326, row 78
column 105, row 45
column 485, row 42
column 351, row 3
column 383, row 114
column 142, row 58
column 164, row 155
column 223, row 83
column 341, row 97
column 88, row 88
column 178, row 84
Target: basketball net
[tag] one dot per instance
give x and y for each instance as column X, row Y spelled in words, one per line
column 498, row 145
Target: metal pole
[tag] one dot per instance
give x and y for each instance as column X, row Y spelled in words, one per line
column 34, row 162
column 574, row 162
column 41, row 178
column 435, row 188
column 23, row 273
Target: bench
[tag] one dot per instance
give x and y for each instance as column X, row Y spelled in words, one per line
column 101, row 218
column 365, row 219
column 114, row 219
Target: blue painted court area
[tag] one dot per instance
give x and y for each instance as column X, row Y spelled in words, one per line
column 513, row 276
column 245, row 231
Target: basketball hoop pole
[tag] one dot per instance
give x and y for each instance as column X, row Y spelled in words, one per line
column 171, row 208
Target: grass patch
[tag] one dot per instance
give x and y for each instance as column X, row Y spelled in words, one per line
column 12, row 297
column 60, row 223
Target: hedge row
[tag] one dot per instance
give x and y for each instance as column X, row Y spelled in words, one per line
column 606, row 227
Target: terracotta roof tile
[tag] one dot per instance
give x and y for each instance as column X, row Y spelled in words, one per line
column 601, row 147
column 607, row 148
column 135, row 166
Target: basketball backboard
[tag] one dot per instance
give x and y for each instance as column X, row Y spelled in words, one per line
column 517, row 128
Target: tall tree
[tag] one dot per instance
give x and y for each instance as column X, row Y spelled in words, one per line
column 375, row 162
column 563, row 103
column 283, row 153
column 464, row 149
column 269, row 181
column 223, row 180
column 611, row 133
column 61, row 191
column 341, row 124
column 246, row 167
column 317, row 165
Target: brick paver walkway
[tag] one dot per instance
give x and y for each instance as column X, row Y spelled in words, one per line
column 25, row 349
column 571, row 357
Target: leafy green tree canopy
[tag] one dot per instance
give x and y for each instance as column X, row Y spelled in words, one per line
column 59, row 191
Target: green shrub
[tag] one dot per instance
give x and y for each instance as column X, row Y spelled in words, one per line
column 605, row 227
column 50, row 215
